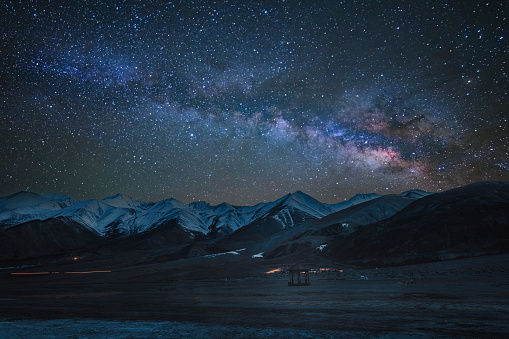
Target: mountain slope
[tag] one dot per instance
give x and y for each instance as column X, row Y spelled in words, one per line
column 322, row 231
column 163, row 223
column 466, row 221
column 26, row 206
column 288, row 211
column 355, row 200
column 48, row 237
column 363, row 213
column 279, row 220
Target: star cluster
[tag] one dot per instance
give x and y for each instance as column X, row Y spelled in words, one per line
column 244, row 101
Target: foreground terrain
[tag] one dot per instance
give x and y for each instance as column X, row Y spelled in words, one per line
column 231, row 295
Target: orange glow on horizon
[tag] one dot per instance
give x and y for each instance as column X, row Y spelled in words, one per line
column 315, row 270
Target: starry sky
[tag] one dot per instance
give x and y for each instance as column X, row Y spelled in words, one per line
column 245, row 101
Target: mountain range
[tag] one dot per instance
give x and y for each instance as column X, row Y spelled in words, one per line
column 367, row 229
column 121, row 216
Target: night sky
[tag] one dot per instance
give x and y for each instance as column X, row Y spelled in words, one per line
column 245, row 101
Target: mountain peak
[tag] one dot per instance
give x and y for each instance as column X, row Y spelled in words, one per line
column 20, row 194
column 223, row 207
column 415, row 193
column 199, row 205
column 299, row 193
column 116, row 196
column 21, row 198
column 55, row 196
column 364, row 196
column 297, row 196
column 306, row 203
column 120, row 200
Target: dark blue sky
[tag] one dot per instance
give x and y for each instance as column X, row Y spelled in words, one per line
column 245, row 101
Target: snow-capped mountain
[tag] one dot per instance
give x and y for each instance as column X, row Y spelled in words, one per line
column 471, row 220
column 285, row 214
column 364, row 209
column 357, row 199
column 120, row 215
column 27, row 206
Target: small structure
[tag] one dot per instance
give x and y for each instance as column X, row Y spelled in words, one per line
column 298, row 276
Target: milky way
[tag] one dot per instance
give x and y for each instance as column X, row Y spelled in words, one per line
column 244, row 101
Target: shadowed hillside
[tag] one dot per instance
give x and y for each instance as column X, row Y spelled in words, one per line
column 462, row 222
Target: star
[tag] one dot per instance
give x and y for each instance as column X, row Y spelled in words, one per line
column 239, row 102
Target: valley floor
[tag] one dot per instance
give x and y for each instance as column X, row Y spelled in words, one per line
column 462, row 298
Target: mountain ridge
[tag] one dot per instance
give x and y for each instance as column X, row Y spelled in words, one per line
column 120, row 216
column 466, row 221
column 27, row 206
column 368, row 229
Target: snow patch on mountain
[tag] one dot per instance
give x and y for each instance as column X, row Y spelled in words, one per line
column 236, row 252
column 321, row 247
column 121, row 215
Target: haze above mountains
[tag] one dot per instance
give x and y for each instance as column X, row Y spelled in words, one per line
column 367, row 229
